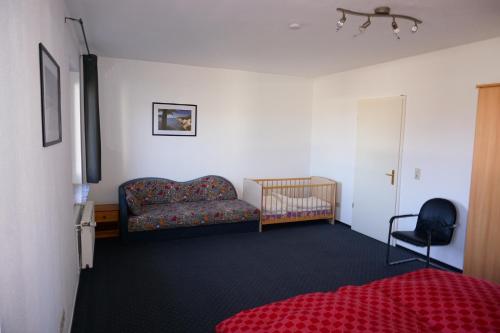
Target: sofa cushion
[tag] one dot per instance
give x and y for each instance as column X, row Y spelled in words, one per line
column 151, row 191
column 133, row 203
column 186, row 214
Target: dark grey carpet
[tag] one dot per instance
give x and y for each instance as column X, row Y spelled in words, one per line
column 189, row 285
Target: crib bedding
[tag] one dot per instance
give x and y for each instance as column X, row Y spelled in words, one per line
column 273, row 205
column 305, row 203
column 278, row 204
column 427, row 300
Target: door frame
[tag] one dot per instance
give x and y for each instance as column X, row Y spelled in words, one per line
column 400, row 164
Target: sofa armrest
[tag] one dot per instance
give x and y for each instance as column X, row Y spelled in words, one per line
column 123, row 214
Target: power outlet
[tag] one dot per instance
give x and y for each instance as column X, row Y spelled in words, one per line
column 418, row 174
column 62, row 321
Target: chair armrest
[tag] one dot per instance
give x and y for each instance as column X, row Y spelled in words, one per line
column 401, row 217
column 390, row 226
column 398, row 217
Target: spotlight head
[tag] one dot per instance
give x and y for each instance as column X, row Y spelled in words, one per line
column 340, row 23
column 414, row 28
column 395, row 27
column 365, row 25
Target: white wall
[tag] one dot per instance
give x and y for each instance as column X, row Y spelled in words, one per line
column 38, row 258
column 439, row 131
column 249, row 124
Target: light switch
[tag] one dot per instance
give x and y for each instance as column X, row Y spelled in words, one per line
column 418, row 173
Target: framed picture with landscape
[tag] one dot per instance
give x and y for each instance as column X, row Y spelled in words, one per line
column 174, row 119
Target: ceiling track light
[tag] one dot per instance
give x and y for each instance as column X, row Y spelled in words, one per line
column 362, row 28
column 379, row 12
column 395, row 28
column 366, row 24
column 340, row 23
column 414, row 28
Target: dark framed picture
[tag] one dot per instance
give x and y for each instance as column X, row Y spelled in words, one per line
column 50, row 85
column 174, row 119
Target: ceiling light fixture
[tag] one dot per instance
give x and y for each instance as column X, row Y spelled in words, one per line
column 340, row 23
column 362, row 28
column 395, row 28
column 378, row 12
column 414, row 28
column 365, row 25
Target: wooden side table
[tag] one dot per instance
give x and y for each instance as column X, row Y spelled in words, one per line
column 106, row 217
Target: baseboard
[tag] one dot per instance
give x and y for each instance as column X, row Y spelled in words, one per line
column 343, row 224
column 440, row 263
column 72, row 312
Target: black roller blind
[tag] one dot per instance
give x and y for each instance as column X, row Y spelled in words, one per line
column 91, row 119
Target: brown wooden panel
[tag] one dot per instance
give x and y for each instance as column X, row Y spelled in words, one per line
column 488, row 85
column 106, row 216
column 107, row 233
column 296, row 219
column 482, row 251
column 106, row 207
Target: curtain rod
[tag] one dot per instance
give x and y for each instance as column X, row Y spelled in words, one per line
column 79, row 20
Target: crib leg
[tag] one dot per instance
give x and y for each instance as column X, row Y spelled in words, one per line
column 331, row 221
column 260, row 227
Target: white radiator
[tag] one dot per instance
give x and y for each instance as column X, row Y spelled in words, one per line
column 87, row 235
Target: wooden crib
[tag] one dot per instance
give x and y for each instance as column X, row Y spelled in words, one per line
column 283, row 200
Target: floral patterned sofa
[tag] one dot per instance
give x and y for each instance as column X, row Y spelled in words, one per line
column 209, row 204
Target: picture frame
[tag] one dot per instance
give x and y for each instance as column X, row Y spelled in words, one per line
column 173, row 119
column 50, row 91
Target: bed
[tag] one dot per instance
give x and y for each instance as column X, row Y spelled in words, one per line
column 427, row 300
column 283, row 200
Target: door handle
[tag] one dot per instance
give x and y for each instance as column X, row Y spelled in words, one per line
column 392, row 175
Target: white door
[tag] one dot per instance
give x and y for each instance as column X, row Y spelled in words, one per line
column 378, row 149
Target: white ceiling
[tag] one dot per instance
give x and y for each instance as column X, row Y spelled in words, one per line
column 253, row 35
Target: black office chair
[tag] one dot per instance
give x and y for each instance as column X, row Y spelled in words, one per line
column 435, row 226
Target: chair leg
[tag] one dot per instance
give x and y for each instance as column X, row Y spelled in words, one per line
column 388, row 249
column 397, row 262
column 428, row 251
column 428, row 256
column 427, row 260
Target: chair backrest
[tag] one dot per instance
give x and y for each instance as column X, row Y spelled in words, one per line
column 438, row 215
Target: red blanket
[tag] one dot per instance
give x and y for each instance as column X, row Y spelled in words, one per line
column 423, row 301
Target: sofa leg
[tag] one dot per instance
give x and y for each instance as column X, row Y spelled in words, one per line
column 260, row 227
